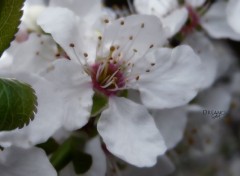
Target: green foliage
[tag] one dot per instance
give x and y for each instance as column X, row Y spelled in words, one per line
column 17, row 104
column 10, row 14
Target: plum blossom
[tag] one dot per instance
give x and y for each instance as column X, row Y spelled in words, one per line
column 125, row 56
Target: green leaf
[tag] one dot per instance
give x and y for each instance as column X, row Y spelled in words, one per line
column 17, row 104
column 10, row 14
column 99, row 103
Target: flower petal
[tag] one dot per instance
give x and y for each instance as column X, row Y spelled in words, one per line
column 207, row 52
column 233, row 14
column 129, row 132
column 171, row 123
column 172, row 81
column 76, row 88
column 175, row 21
column 21, row 162
column 155, row 7
column 215, row 22
column 33, row 55
column 89, row 10
column 70, row 32
column 132, row 36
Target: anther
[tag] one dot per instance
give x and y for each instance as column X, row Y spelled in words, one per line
column 85, row 55
column 151, row 46
column 135, row 50
column 71, row 45
column 142, row 25
column 106, row 21
column 112, row 48
column 137, row 78
column 152, row 64
column 122, row 23
column 131, row 37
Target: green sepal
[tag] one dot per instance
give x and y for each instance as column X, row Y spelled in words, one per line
column 100, row 102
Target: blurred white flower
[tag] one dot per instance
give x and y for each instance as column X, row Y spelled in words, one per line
column 170, row 13
column 221, row 20
column 233, row 15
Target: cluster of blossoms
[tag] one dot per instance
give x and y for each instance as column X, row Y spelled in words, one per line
column 143, row 89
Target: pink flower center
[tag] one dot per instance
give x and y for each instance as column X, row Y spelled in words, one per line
column 107, row 77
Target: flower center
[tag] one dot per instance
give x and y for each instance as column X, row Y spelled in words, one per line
column 107, row 77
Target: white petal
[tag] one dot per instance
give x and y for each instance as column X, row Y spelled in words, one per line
column 33, row 55
column 130, row 133
column 163, row 167
column 171, row 123
column 76, row 88
column 88, row 10
column 155, row 7
column 47, row 119
column 207, row 52
column 22, row 162
column 145, row 31
column 173, row 80
column 215, row 22
column 30, row 15
column 233, row 14
column 175, row 21
column 69, row 31
column 195, row 3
